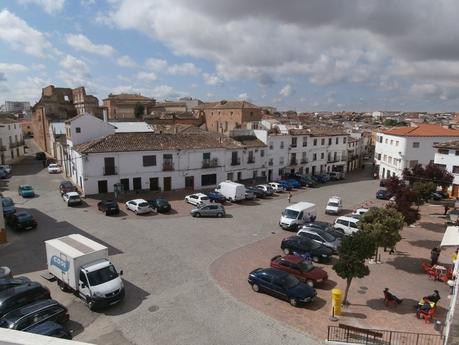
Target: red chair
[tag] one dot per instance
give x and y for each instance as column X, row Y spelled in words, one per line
column 427, row 316
column 388, row 300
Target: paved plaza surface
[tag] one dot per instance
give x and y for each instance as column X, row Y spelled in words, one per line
column 177, row 273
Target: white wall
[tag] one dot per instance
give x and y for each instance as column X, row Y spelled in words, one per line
column 10, row 133
column 90, row 128
column 450, row 160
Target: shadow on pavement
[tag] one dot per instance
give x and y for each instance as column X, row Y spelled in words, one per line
column 354, row 315
column 27, row 166
column 408, row 264
column 327, row 285
column 428, row 244
column 438, row 228
column 132, row 300
column 317, row 304
column 31, row 244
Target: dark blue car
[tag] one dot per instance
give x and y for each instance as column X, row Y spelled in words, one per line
column 282, row 285
column 295, row 184
column 285, row 184
column 216, row 197
column 383, row 194
column 51, row 329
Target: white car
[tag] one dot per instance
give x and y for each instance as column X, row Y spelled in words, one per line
column 138, row 206
column 197, row 199
column 348, row 225
column 334, row 205
column 359, row 212
column 72, row 198
column 54, row 168
column 276, row 187
column 6, row 168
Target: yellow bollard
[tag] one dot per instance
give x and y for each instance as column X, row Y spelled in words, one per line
column 336, row 301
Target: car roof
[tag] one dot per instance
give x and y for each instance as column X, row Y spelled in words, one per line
column 348, row 218
column 14, row 290
column 72, row 194
column 292, row 258
column 198, row 194
column 334, row 198
column 138, row 201
column 25, row 185
column 273, row 272
column 45, row 328
column 30, row 308
column 66, row 182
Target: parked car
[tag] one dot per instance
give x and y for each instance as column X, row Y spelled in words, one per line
column 359, row 212
column 258, row 192
column 269, row 191
column 383, row 194
column 324, row 177
column 282, row 285
column 25, row 317
column 197, row 199
column 8, row 207
column 249, row 195
column 304, row 180
column 334, row 205
column 322, row 237
column 336, row 175
column 285, row 184
column 300, row 245
column 212, row 210
column 295, row 184
column 40, row 156
column 9, row 282
column 51, row 329
column 66, row 187
column 382, row 183
column 6, row 168
column 108, row 207
column 232, row 191
column 216, row 197
column 72, row 199
column 3, row 174
column 138, row 206
column 437, row 196
column 26, row 191
column 348, row 225
column 160, row 205
column 277, row 187
column 304, row 270
column 325, row 227
column 18, row 296
column 22, row 221
column 54, row 168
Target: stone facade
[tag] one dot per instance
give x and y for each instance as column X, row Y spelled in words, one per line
column 122, row 106
column 86, row 103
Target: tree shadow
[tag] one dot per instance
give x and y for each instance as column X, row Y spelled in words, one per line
column 327, row 285
column 407, row 264
column 406, row 307
column 437, row 228
column 31, row 243
column 354, row 315
column 428, row 244
column 249, row 203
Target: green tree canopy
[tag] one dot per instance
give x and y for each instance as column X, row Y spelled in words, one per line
column 424, row 189
column 139, row 110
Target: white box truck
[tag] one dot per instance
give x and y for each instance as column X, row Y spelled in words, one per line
column 297, row 214
column 81, row 265
column 232, row 191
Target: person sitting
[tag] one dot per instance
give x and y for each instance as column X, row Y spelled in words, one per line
column 434, row 298
column 389, row 297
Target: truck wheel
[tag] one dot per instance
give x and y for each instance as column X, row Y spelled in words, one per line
column 91, row 305
column 62, row 286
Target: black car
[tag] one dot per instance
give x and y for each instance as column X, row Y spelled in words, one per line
column 18, row 296
column 437, row 196
column 8, row 282
column 40, row 156
column 25, row 317
column 160, row 205
column 282, row 285
column 325, row 227
column 50, row 329
column 66, row 187
column 258, row 192
column 108, row 206
column 302, row 245
column 382, row 183
column 21, row 221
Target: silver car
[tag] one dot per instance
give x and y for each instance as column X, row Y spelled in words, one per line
column 320, row 236
column 212, row 210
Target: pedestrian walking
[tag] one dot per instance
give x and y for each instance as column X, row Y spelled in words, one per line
column 434, row 254
column 289, row 197
column 446, row 210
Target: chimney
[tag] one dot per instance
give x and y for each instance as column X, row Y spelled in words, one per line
column 104, row 112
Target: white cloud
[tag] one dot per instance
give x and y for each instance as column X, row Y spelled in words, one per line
column 49, row 6
column 12, row 67
column 2, row 76
column 74, row 72
column 146, row 76
column 166, row 91
column 125, row 61
column 162, row 66
column 82, row 43
column 243, row 96
column 16, row 33
column 286, row 91
column 156, row 65
column 212, row 79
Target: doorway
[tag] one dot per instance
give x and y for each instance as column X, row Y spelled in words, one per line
column 102, row 186
column 125, row 183
column 189, row 182
column 270, row 174
column 167, row 184
column 154, row 183
column 137, row 183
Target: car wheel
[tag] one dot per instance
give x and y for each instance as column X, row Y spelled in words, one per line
column 91, row 305
column 310, row 282
column 315, row 258
column 293, row 302
column 219, row 214
column 286, row 251
column 197, row 214
column 62, row 286
column 135, row 212
column 255, row 288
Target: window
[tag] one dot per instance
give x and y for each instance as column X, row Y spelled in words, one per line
column 281, row 144
column 255, row 173
column 78, row 129
column 322, row 141
column 336, row 140
column 386, row 141
column 315, row 142
column 384, row 158
column 270, row 146
column 344, row 140
column 396, row 143
column 305, row 142
column 455, row 169
column 262, row 153
column 149, row 161
column 230, row 176
column 416, row 145
column 281, row 160
column 293, row 142
column 329, row 141
column 314, row 157
column 206, row 156
column 322, row 155
column 379, row 157
column 443, row 151
column 209, row 180
column 251, row 158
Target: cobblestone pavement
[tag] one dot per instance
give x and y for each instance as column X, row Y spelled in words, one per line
column 171, row 297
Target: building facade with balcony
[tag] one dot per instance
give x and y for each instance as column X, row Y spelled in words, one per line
column 11, row 140
column 447, row 157
column 404, row 147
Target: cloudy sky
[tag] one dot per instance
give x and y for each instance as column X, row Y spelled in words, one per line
column 296, row 54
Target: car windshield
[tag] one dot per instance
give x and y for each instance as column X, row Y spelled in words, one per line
column 204, row 198
column 290, row 282
column 305, row 266
column 161, row 202
column 290, row 214
column 67, row 184
column 143, row 204
column 74, row 197
column 26, row 188
column 53, row 165
column 7, row 202
column 327, row 237
column 110, row 204
column 310, row 244
column 333, row 204
column 23, row 217
column 4, row 323
column 102, row 276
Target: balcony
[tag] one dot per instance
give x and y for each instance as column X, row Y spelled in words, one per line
column 209, row 163
column 293, row 162
column 17, row 144
column 2, row 148
column 236, row 161
column 304, row 161
column 250, row 160
column 109, row 171
column 333, row 160
column 168, row 166
column 270, row 163
column 292, row 146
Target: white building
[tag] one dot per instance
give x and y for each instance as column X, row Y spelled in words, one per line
column 11, row 140
column 404, row 147
column 447, row 157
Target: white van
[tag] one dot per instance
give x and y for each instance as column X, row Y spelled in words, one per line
column 297, row 214
column 232, row 191
column 347, row 224
column 334, row 205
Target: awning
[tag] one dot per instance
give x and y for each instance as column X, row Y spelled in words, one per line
column 451, row 237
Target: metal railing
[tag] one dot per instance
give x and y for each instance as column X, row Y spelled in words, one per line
column 355, row 335
column 3, row 148
column 304, row 161
column 293, row 162
column 250, row 160
column 109, row 171
column 168, row 166
column 210, row 163
column 236, row 161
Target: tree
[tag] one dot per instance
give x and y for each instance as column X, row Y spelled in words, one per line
column 354, row 250
column 383, row 225
column 424, row 190
column 139, row 110
column 405, row 198
column 430, row 173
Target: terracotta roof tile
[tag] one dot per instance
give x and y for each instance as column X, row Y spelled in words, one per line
column 227, row 105
column 422, row 130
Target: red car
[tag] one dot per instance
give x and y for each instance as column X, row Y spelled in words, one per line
column 305, row 271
